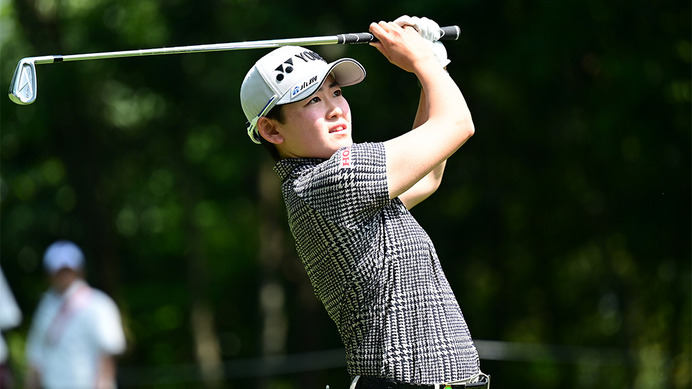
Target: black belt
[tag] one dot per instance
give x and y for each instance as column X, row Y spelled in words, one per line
column 382, row 383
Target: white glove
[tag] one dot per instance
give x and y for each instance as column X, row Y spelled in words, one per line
column 429, row 30
column 440, row 53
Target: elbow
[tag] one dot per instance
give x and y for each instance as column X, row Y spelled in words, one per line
column 465, row 129
column 435, row 186
column 469, row 128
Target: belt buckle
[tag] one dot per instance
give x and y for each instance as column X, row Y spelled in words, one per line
column 483, row 381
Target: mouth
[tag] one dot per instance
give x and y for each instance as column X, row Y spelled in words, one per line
column 338, row 128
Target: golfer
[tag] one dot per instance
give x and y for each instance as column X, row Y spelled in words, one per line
column 371, row 264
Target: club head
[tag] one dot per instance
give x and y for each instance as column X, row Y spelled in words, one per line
column 23, row 85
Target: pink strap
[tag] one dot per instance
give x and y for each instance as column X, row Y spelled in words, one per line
column 69, row 307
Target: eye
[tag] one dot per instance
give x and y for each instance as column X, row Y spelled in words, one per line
column 314, row 100
column 338, row 92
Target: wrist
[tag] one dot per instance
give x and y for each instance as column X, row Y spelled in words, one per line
column 418, row 81
column 425, row 64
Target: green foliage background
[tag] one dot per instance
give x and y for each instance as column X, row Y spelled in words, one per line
column 564, row 223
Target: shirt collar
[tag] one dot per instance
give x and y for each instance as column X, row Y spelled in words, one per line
column 286, row 167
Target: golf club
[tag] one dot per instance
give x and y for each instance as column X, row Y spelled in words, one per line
column 23, row 87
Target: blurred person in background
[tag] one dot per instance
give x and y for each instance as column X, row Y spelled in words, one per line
column 76, row 331
column 10, row 317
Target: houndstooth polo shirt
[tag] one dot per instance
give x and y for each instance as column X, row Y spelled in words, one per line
column 375, row 269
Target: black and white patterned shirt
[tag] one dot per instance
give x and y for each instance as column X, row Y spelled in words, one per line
column 375, row 269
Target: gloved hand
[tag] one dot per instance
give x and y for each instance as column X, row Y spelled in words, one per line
column 429, row 30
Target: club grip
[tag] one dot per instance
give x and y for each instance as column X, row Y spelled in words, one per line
column 449, row 33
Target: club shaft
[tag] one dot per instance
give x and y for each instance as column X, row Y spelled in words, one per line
column 448, row 33
column 188, row 49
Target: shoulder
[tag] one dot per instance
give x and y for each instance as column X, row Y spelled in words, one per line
column 48, row 300
column 102, row 301
column 349, row 157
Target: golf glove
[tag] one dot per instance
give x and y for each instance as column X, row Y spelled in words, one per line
column 429, row 30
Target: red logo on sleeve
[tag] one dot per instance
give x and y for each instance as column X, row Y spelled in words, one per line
column 346, row 160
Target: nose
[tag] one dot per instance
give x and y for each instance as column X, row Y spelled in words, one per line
column 335, row 109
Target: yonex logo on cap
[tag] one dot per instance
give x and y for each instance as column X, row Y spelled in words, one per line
column 310, row 55
column 282, row 70
column 287, row 66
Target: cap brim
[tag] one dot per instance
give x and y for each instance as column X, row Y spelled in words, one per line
column 346, row 72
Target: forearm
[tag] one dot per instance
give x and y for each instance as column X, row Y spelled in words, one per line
column 418, row 153
column 421, row 117
column 426, row 186
column 422, row 111
column 106, row 374
column 445, row 107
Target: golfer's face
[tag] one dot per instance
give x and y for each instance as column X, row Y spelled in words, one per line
column 62, row 279
column 317, row 126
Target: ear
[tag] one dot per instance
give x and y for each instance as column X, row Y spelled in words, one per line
column 268, row 130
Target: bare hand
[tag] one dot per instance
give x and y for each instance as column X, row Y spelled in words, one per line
column 402, row 46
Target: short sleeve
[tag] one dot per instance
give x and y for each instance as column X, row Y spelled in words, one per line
column 348, row 187
column 108, row 326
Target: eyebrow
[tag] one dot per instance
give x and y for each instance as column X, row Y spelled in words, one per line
column 330, row 86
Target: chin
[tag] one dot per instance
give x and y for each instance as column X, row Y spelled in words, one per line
column 342, row 143
column 332, row 146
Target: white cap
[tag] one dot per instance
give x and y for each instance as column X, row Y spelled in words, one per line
column 289, row 74
column 63, row 254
